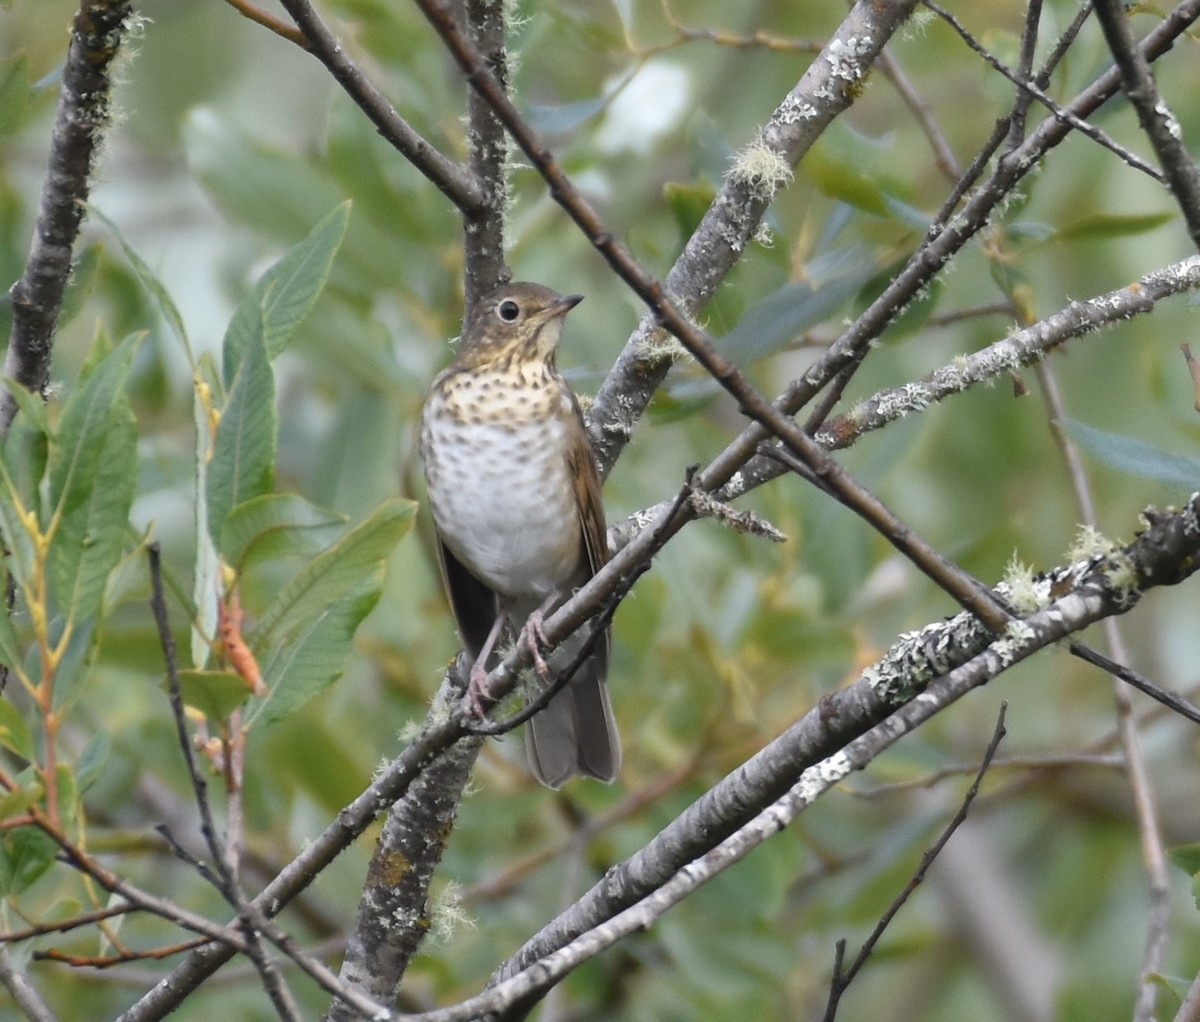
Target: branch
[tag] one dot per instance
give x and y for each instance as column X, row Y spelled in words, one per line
column 825, row 91
column 733, row 471
column 484, row 265
column 847, row 62
column 294, row 878
column 393, row 911
column 894, row 695
column 1155, row 117
column 1030, row 89
column 946, row 239
column 842, row 978
column 79, row 124
column 1018, row 349
column 23, row 993
column 457, row 184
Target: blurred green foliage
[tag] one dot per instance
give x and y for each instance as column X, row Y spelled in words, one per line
column 230, row 148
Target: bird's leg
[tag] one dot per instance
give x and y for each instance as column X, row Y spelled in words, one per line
column 533, row 635
column 477, row 689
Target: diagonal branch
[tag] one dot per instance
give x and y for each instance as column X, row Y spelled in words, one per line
column 1157, row 121
column 842, row 978
column 893, row 696
column 850, row 62
column 456, row 183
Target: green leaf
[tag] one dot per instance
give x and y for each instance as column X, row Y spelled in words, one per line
column 13, row 529
column 14, row 732
column 285, row 293
column 688, row 202
column 276, row 525
column 14, row 803
column 1135, row 457
column 1114, row 225
column 264, row 188
column 216, row 694
column 93, row 475
column 864, row 172
column 1187, row 858
column 68, row 793
column 26, row 451
column 312, row 658
column 243, row 458
column 30, row 406
column 147, row 278
column 92, row 761
column 772, row 323
column 335, row 572
column 79, row 288
column 25, row 854
column 561, row 118
column 91, row 534
column 14, row 94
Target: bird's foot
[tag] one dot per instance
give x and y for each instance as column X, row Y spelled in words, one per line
column 533, row 635
column 478, row 698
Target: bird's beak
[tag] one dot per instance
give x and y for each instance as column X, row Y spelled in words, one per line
column 564, row 305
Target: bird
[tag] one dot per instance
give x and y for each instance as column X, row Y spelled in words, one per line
column 515, row 496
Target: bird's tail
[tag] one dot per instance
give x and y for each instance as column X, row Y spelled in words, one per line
column 576, row 732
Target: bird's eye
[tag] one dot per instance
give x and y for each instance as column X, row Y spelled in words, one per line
column 509, row 310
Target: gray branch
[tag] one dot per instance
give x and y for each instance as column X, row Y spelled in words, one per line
column 824, row 91
column 79, row 124
column 924, row 672
column 1156, row 119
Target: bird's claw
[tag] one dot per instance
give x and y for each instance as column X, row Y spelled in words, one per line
column 478, row 698
column 533, row 635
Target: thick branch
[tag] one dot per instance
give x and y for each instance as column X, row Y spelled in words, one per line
column 83, row 109
column 1018, row 349
column 484, row 265
column 896, row 694
column 847, row 61
column 1159, row 124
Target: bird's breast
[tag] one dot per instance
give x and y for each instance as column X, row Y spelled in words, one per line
column 499, row 487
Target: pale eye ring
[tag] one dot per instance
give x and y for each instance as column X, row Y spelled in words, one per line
column 508, row 310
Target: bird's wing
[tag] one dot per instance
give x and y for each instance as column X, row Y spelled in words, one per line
column 473, row 603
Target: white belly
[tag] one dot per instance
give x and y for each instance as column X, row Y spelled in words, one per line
column 503, row 503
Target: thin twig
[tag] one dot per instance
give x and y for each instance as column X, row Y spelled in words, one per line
column 1153, row 854
column 966, row 590
column 158, row 606
column 1176, row 704
column 451, row 179
column 1056, row 110
column 268, row 21
column 943, row 155
column 842, row 978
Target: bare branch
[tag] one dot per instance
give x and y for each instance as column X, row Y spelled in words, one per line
column 452, row 180
column 1136, row 768
column 825, row 90
column 1017, row 349
column 1028, row 88
column 1159, row 124
column 842, row 978
column 851, row 725
column 79, row 125
column 25, row 996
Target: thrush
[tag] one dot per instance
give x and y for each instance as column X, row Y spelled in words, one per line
column 515, row 496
